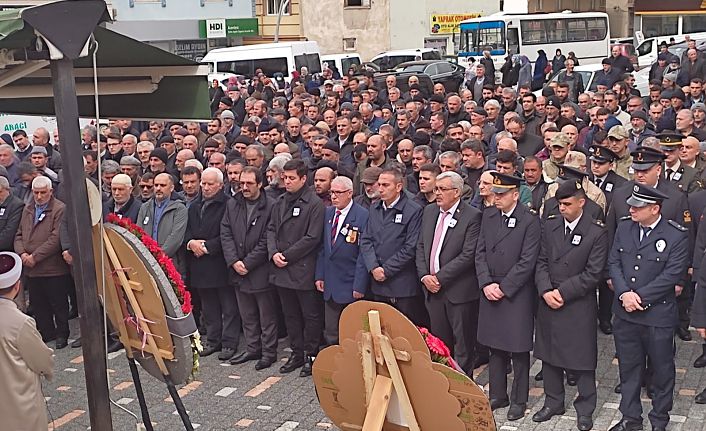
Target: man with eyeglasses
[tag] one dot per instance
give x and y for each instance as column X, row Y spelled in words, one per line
column 336, row 266
column 446, row 268
column 146, row 186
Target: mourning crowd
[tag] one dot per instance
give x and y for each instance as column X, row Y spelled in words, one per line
column 505, row 222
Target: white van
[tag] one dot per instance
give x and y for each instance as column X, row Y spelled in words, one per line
column 283, row 57
column 342, row 61
column 648, row 49
column 405, row 55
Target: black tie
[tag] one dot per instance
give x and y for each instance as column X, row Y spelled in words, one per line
column 645, row 231
column 598, row 182
column 669, row 174
column 505, row 219
column 568, row 232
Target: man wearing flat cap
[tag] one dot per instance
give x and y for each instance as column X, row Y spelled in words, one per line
column 506, row 255
column 24, row 358
column 639, row 130
column 649, row 256
column 572, row 258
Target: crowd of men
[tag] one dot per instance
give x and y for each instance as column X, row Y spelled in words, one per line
column 503, row 221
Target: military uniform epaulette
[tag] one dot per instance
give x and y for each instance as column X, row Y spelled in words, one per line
column 532, row 211
column 678, row 226
column 623, row 218
column 551, row 216
column 598, row 223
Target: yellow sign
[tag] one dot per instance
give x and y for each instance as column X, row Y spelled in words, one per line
column 448, row 23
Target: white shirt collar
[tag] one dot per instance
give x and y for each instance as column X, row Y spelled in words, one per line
column 509, row 213
column 573, row 224
column 653, row 225
column 453, row 208
column 392, row 205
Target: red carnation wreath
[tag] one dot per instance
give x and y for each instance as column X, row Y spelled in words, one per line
column 439, row 351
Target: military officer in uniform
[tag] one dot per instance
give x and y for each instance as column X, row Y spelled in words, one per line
column 506, row 256
column 605, row 178
column 698, row 312
column 649, row 255
column 685, row 177
column 572, row 258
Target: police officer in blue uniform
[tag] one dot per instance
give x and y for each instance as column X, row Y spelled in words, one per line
column 649, row 256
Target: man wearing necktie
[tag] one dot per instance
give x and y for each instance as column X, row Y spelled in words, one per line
column 446, row 267
column 650, row 254
column 506, row 255
column 685, row 177
column 336, row 265
column 572, row 258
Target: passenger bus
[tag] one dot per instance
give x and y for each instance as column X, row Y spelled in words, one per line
column 587, row 34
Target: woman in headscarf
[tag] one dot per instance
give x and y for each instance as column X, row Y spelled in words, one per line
column 558, row 61
column 524, row 76
column 509, row 71
column 540, row 67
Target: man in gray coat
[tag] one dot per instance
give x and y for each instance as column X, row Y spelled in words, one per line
column 164, row 218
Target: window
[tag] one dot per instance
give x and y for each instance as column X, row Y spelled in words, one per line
column 273, row 7
column 356, row 3
column 445, row 67
column 311, row 61
column 659, row 25
column 347, row 63
column 431, row 55
column 693, row 23
column 556, row 30
column 563, row 30
column 576, row 30
column 533, row 32
column 269, row 66
column 349, row 43
column 431, row 70
column 597, row 28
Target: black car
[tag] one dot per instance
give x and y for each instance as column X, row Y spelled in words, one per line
column 444, row 72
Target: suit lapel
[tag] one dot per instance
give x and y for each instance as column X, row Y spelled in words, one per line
column 655, row 234
column 504, row 230
column 340, row 239
column 450, row 231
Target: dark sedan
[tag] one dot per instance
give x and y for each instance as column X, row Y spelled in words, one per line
column 444, row 72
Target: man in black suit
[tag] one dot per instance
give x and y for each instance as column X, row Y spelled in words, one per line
column 446, row 266
column 244, row 239
column 11, row 208
column 572, row 258
column 506, row 255
column 293, row 241
column 649, row 256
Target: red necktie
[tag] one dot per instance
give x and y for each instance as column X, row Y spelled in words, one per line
column 334, row 227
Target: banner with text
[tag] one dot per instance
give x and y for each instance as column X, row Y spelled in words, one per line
column 448, row 23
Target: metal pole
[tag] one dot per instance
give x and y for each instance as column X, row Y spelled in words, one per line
column 140, row 394
column 282, row 4
column 78, row 217
column 178, row 403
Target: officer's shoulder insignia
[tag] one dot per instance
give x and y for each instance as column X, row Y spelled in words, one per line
column 532, row 211
column 678, row 226
column 623, row 218
column 687, row 216
column 598, row 223
column 551, row 216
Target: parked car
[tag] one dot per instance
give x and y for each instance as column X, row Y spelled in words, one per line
column 444, row 72
column 425, row 84
column 588, row 73
column 390, row 59
column 628, row 50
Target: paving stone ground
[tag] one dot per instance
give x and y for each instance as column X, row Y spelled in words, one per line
column 239, row 398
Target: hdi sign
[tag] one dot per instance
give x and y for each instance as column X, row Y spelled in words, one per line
column 215, row 28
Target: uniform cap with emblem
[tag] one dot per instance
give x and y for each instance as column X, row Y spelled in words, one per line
column 669, row 140
column 643, row 158
column 504, row 183
column 643, row 195
column 569, row 173
column 602, row 154
column 10, row 269
column 568, row 189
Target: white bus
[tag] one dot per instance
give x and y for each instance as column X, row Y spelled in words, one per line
column 283, row 57
column 587, row 34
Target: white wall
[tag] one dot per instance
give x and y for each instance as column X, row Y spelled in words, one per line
column 152, row 10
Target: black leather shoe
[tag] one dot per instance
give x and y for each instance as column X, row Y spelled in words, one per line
column 264, row 363
column 244, row 357
column 618, row 388
column 292, row 364
column 73, row 313
column 539, row 376
column 684, row 334
column 654, row 428
column 626, row 425
column 480, row 361
column 60, row 343
column 606, row 327
column 226, row 353
column 584, row 423
column 701, row 398
column 516, row 412
column 546, row 413
column 570, row 378
column 700, row 362
column 498, row 403
column 210, row 349
column 114, row 346
column 76, row 343
column 306, row 368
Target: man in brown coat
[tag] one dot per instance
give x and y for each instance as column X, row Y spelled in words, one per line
column 47, row 274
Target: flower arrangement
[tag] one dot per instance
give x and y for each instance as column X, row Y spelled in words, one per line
column 166, row 264
column 439, row 351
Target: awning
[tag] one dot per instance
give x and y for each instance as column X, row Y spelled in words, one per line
column 135, row 80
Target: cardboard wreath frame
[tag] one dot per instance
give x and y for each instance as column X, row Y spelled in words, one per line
column 381, row 377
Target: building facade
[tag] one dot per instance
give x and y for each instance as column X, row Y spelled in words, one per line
column 664, row 18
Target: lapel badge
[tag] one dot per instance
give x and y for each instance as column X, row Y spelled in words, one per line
column 576, row 240
column 511, row 222
column 660, row 245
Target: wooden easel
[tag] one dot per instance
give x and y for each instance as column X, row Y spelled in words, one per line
column 156, row 340
column 376, row 350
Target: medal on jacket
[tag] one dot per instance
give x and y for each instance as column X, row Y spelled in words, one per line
column 352, row 236
column 511, row 222
column 660, row 245
column 295, row 212
column 576, row 240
